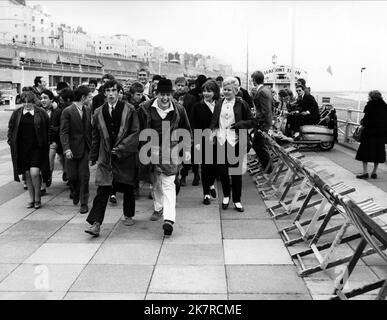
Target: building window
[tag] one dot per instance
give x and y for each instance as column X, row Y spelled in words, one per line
column 15, row 25
column 33, row 18
column 42, row 39
column 52, row 42
column 41, row 21
column 33, row 28
column 16, row 36
column 52, row 24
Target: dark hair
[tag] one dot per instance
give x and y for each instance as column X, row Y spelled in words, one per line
column 220, row 78
column 48, row 93
column 191, row 82
column 180, row 79
column 289, row 92
column 120, row 88
column 302, row 81
column 108, row 76
column 143, row 70
column 80, row 92
column 28, row 97
column 61, row 85
column 136, row 87
column 239, row 79
column 110, row 84
column 67, row 94
column 258, row 77
column 300, row 86
column 93, row 81
column 211, row 85
column 375, row 95
column 283, row 93
column 37, row 80
column 156, row 77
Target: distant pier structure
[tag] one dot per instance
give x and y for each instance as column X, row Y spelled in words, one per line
column 279, row 76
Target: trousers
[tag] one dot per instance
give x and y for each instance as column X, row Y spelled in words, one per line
column 261, row 149
column 97, row 212
column 164, row 195
column 78, row 174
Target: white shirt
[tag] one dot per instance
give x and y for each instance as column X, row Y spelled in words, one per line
column 162, row 113
column 111, row 107
column 226, row 119
column 32, row 111
column 210, row 105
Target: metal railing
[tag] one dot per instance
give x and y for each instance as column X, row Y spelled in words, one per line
column 347, row 123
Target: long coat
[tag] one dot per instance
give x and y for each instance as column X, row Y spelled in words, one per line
column 123, row 168
column 309, row 103
column 263, row 101
column 179, row 121
column 42, row 125
column 373, row 138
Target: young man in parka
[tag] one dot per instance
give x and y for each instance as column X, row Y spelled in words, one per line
column 115, row 135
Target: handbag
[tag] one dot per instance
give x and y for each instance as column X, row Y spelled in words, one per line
column 358, row 133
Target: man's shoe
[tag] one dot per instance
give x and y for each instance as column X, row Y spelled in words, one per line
column 84, row 209
column 94, row 230
column 113, row 199
column 362, row 176
column 150, row 196
column 75, row 199
column 183, row 181
column 206, row 200
column 374, row 176
column 196, row 179
column 128, row 221
column 156, row 215
column 64, row 177
column 37, row 204
column 43, row 192
column 213, row 192
column 225, row 204
column 25, row 186
column 168, row 228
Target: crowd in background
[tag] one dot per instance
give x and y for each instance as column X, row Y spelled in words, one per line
column 99, row 123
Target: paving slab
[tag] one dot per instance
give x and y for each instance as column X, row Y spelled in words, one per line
column 5, row 226
column 265, row 279
column 48, row 214
column 75, row 233
column 255, row 251
column 103, row 296
column 30, row 230
column 249, row 229
column 196, row 233
column 191, row 254
column 273, row 296
column 200, row 214
column 111, row 217
column 257, row 211
column 17, row 251
column 188, row 279
column 178, row 296
column 141, row 230
column 34, row 277
column 63, row 253
column 142, row 253
column 114, row 279
column 6, row 269
column 32, row 295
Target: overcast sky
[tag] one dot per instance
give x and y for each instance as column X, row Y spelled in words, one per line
column 347, row 35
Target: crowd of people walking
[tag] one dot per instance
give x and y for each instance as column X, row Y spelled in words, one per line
column 103, row 124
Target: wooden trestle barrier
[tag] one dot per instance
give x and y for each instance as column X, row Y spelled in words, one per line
column 308, row 198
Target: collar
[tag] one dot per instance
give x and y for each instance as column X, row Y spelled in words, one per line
column 229, row 101
column 170, row 108
column 112, row 106
column 32, row 111
column 259, row 86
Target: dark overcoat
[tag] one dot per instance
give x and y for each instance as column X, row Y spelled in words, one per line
column 42, row 125
column 373, row 138
column 121, row 169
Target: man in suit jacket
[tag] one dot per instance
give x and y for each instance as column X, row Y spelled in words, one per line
column 75, row 136
column 115, row 145
column 100, row 98
column 307, row 106
column 263, row 101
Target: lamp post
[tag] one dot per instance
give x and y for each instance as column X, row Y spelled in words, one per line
column 274, row 62
column 22, row 56
column 360, row 86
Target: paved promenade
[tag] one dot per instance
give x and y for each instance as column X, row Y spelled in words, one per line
column 212, row 254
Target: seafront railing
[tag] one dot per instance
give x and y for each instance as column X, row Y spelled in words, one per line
column 347, row 122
